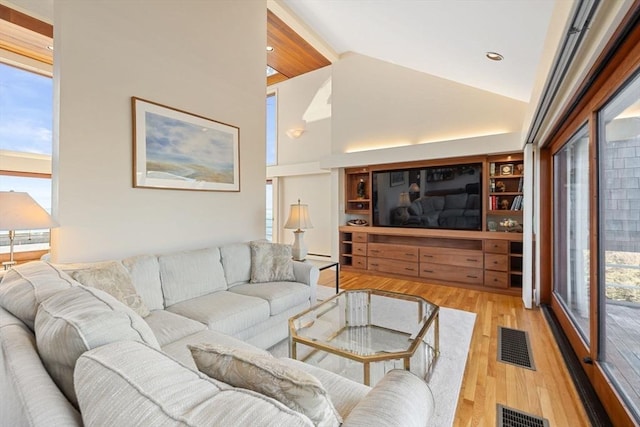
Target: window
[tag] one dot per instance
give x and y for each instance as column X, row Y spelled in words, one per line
column 571, row 229
column 26, row 117
column 272, row 130
column 619, row 232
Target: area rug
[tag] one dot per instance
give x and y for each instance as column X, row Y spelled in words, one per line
column 456, row 329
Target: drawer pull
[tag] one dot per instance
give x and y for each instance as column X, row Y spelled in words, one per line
column 375, row 250
column 409, row 269
column 427, row 256
column 472, row 277
column 495, row 280
column 496, row 262
column 427, row 271
column 472, row 259
column 409, row 254
column 373, row 264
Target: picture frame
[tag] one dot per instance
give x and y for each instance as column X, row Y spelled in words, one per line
column 174, row 149
column 506, row 169
column 396, row 178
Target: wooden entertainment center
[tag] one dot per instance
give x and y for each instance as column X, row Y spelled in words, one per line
column 489, row 258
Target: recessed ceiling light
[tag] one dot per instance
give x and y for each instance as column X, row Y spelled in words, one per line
column 495, row 56
column 269, row 48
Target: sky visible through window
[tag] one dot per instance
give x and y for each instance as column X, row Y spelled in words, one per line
column 26, row 121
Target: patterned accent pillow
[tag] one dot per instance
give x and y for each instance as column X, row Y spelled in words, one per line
column 114, row 279
column 271, row 262
column 267, row 375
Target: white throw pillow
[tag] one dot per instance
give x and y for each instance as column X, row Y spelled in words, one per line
column 267, row 375
column 115, row 280
column 271, row 262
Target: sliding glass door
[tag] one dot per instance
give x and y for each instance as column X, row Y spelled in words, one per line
column 619, row 231
column 571, row 231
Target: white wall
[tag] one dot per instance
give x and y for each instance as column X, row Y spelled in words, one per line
column 378, row 105
column 305, row 102
column 206, row 58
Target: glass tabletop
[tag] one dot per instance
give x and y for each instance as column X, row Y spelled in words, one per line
column 365, row 325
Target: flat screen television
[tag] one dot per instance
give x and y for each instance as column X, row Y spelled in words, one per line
column 447, row 197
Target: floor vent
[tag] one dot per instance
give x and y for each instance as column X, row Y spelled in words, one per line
column 514, row 348
column 508, row 417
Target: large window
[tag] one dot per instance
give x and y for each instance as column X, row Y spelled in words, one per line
column 619, row 195
column 272, row 150
column 571, row 229
column 26, row 104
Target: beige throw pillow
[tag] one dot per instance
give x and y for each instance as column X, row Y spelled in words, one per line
column 267, row 375
column 114, row 279
column 271, row 262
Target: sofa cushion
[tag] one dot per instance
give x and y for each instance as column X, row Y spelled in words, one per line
column 345, row 394
column 279, row 295
column 145, row 275
column 180, row 352
column 455, row 201
column 29, row 397
column 191, row 274
column 114, row 279
column 25, row 286
column 224, row 311
column 169, row 327
column 130, row 384
column 267, row 375
column 236, row 261
column 271, row 262
column 78, row 319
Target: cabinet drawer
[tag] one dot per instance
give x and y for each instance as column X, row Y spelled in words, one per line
column 496, row 246
column 496, row 262
column 360, row 262
column 462, row 258
column 451, row 273
column 399, row 252
column 359, row 237
column 496, row 279
column 393, row 266
column 359, row 249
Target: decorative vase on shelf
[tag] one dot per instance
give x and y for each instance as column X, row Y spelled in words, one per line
column 361, row 189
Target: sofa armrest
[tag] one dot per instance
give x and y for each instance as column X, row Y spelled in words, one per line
column 308, row 274
column 400, row 398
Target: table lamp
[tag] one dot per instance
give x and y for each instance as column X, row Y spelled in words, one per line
column 299, row 221
column 18, row 211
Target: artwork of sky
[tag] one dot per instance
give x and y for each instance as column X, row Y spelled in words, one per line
column 179, row 150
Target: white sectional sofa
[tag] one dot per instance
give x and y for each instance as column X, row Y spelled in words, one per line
column 111, row 348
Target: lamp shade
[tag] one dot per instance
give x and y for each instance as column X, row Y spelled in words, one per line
column 18, row 211
column 405, row 200
column 298, row 218
column 414, row 188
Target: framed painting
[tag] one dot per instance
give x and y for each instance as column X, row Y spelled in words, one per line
column 173, row 149
column 396, row 178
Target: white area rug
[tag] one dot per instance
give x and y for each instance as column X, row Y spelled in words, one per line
column 456, row 329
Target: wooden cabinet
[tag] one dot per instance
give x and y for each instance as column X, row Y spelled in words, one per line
column 480, row 260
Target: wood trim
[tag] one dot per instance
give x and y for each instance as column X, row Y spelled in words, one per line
column 594, row 265
column 26, row 21
column 545, row 236
column 25, row 35
column 26, row 256
column 25, row 174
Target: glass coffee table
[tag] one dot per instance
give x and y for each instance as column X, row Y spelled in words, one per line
column 362, row 334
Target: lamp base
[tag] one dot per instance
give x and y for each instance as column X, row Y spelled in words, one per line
column 299, row 249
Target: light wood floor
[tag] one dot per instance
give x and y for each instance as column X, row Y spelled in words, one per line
column 548, row 391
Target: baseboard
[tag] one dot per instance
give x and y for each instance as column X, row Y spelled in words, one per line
column 592, row 405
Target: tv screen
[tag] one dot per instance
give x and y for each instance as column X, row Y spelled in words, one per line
column 448, row 197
